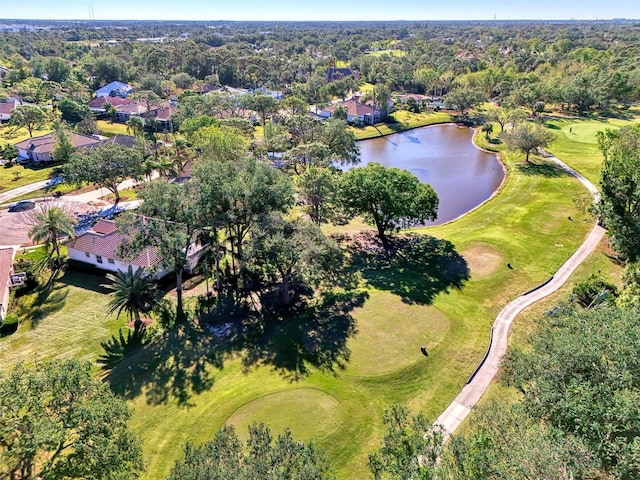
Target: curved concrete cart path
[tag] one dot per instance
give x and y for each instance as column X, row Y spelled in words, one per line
column 458, row 410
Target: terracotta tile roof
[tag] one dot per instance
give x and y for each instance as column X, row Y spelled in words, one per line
column 103, row 239
column 353, row 107
column 98, row 102
column 6, row 108
column 163, row 114
column 132, row 107
column 124, row 140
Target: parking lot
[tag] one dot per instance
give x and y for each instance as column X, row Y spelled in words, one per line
column 15, row 226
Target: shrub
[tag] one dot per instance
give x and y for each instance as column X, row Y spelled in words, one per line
column 593, row 291
column 9, row 324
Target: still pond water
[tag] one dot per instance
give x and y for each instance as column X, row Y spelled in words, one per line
column 443, row 156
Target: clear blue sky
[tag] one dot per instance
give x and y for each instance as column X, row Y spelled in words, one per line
column 320, row 9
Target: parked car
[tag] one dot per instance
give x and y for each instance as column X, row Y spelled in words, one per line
column 22, row 206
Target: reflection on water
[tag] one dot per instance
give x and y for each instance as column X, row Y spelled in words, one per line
column 444, row 157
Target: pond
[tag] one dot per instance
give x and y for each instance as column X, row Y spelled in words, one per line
column 445, row 157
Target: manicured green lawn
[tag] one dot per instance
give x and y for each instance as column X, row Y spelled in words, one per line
column 25, row 175
column 403, row 121
column 12, row 135
column 576, row 143
column 185, row 385
column 105, row 127
column 66, row 320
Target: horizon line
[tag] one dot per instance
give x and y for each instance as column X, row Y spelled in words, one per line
column 92, row 20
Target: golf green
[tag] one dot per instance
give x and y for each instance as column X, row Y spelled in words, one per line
column 316, row 413
column 390, row 334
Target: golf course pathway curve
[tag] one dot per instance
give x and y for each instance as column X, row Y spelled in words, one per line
column 479, row 381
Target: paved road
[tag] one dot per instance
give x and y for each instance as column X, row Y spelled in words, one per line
column 458, row 410
column 32, row 187
column 15, row 226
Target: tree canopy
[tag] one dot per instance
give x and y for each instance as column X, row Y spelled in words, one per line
column 619, row 204
column 387, row 198
column 264, row 458
column 582, row 376
column 58, row 422
column 527, row 137
column 106, row 165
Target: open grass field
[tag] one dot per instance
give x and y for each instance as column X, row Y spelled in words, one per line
column 11, row 134
column 388, row 51
column 65, row 320
column 17, row 175
column 108, row 129
column 576, row 143
column 443, row 293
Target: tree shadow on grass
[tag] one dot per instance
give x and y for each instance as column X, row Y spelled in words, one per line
column 418, row 268
column 179, row 363
column 542, row 168
column 174, row 365
column 315, row 337
column 85, row 281
column 43, row 301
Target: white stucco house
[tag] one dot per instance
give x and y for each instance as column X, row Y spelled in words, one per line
column 99, row 247
column 7, row 254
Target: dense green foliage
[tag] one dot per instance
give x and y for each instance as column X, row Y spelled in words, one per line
column 582, row 377
column 619, row 205
column 58, row 422
column 411, row 447
column 264, row 458
column 387, row 198
column 106, row 165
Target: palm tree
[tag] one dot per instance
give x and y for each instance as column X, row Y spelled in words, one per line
column 135, row 126
column 110, row 110
column 487, row 128
column 133, row 291
column 50, row 224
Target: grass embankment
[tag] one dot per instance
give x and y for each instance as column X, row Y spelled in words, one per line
column 402, row 121
column 183, row 388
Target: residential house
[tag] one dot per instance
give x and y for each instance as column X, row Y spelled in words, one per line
column 7, row 255
column 115, row 89
column 99, row 247
column 124, row 140
column 40, row 149
column 7, row 107
column 275, row 94
column 97, row 105
column 356, row 111
column 130, row 109
column 335, row 73
column 162, row 117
